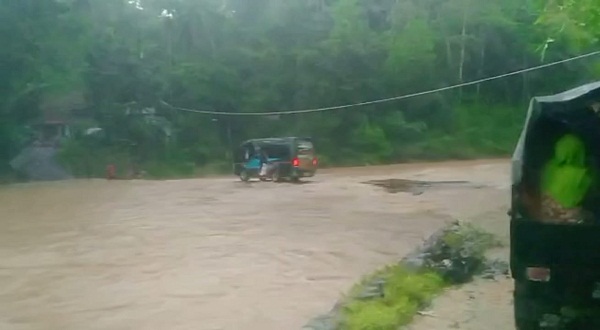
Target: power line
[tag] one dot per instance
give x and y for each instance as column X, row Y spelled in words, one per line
column 395, row 98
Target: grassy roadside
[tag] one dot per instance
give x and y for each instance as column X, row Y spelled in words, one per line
column 403, row 295
column 389, row 298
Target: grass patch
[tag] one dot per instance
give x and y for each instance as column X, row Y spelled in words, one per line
column 405, row 293
column 392, row 296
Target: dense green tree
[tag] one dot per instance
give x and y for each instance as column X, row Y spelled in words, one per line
column 575, row 22
column 136, row 59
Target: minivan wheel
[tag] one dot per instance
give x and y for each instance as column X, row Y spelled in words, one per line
column 276, row 176
column 244, row 176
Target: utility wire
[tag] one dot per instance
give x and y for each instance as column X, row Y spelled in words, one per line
column 395, row 98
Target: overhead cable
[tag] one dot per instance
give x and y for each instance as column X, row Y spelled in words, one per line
column 385, row 100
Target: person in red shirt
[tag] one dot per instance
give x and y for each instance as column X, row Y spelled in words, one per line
column 111, row 172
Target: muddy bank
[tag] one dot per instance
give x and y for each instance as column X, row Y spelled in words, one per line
column 455, row 254
column 485, row 304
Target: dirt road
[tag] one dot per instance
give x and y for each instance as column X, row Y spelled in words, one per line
column 216, row 253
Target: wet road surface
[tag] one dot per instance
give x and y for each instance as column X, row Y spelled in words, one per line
column 213, row 253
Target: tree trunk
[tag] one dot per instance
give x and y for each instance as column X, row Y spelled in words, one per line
column 463, row 41
column 208, row 35
column 170, row 42
column 481, row 63
column 449, row 52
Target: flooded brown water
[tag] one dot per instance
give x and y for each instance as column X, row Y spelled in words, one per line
column 212, row 253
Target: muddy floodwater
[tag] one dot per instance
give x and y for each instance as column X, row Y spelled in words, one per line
column 216, row 253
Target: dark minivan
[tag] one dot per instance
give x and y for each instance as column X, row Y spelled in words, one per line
column 291, row 158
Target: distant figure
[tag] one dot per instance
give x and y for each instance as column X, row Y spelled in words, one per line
column 111, row 171
column 264, row 163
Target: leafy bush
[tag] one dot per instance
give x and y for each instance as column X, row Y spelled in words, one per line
column 84, row 159
column 477, row 130
column 169, row 170
column 460, row 253
column 214, row 168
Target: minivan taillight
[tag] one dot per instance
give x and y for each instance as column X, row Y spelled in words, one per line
column 296, row 162
column 315, row 161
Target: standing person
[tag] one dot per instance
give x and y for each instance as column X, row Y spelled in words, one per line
column 566, row 180
column 111, row 172
column 264, row 163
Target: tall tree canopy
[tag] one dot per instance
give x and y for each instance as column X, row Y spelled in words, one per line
column 128, row 56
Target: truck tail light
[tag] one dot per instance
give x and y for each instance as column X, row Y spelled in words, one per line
column 538, row 274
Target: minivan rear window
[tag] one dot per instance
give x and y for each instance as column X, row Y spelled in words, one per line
column 305, row 147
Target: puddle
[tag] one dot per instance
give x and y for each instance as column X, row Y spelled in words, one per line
column 418, row 187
